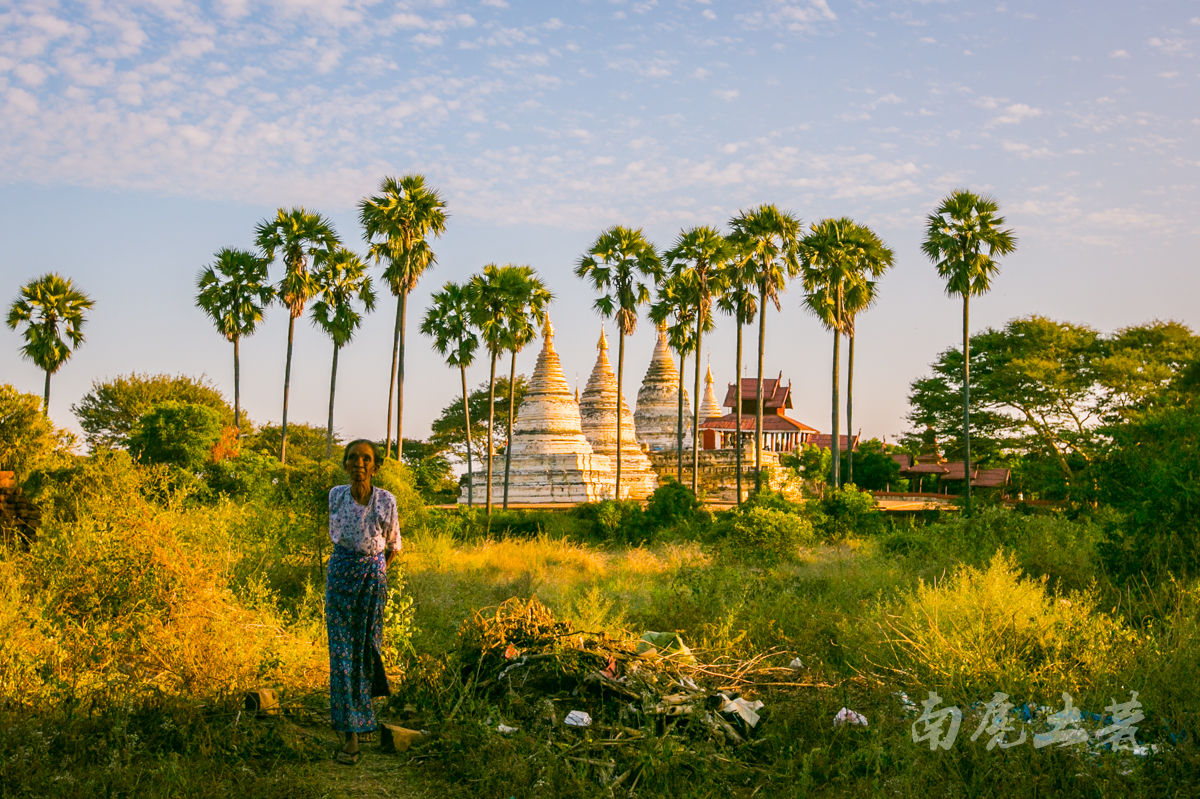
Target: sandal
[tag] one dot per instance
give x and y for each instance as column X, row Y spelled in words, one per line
column 347, row 758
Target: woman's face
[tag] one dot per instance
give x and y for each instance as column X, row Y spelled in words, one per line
column 360, row 463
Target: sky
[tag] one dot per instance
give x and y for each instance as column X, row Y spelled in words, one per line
column 138, row 137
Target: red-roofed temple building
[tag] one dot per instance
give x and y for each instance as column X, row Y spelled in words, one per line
column 780, row 432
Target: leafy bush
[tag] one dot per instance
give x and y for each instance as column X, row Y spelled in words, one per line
column 28, row 439
column 613, row 520
column 1150, row 476
column 671, row 505
column 110, row 411
column 176, row 433
column 874, row 469
column 248, row 476
column 306, row 442
column 764, row 535
column 844, row 512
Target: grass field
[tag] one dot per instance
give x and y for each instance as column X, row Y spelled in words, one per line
column 139, row 617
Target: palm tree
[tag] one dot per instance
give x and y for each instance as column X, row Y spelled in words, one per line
column 768, row 242
column 448, row 322
column 527, row 316
column 234, row 292
column 839, row 258
column 615, row 264
column 296, row 235
column 495, row 295
column 956, row 235
column 740, row 302
column 699, row 255
column 676, row 309
column 873, row 259
column 396, row 224
column 340, row 277
column 44, row 304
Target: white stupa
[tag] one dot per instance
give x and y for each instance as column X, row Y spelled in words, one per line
column 658, row 401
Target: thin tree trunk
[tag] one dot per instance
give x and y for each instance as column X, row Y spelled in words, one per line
column 679, row 424
column 620, row 397
column 400, row 379
column 387, row 453
column 850, row 410
column 758, row 414
column 835, row 443
column 332, row 388
column 967, row 399
column 237, row 386
column 466, row 417
column 737, row 437
column 512, row 401
column 46, row 395
column 287, row 384
column 491, row 426
column 696, row 415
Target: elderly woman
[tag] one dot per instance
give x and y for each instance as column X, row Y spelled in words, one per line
column 366, row 536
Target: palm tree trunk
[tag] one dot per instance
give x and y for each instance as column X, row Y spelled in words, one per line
column 46, row 395
column 679, row 424
column 967, row 399
column 400, row 378
column 237, row 386
column 512, row 401
column 491, row 426
column 850, row 410
column 737, row 437
column 758, row 414
column 387, row 453
column 332, row 387
column 466, row 417
column 696, row 415
column 287, row 384
column 835, row 442
column 620, row 403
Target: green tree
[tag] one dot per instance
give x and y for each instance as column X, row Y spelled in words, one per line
column 109, row 412
column 956, row 235
column 877, row 470
column 740, row 302
column 397, row 223
column 448, row 322
column 767, row 241
column 49, row 307
column 234, row 292
column 1140, row 365
column 700, row 256
column 497, row 297
column 340, row 278
column 431, row 470
column 676, row 308
column 450, row 429
column 840, row 261
column 27, row 437
column 617, row 265
column 296, row 236
column 178, row 433
column 306, row 443
column 526, row 316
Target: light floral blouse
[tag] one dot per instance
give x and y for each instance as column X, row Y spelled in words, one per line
column 366, row 529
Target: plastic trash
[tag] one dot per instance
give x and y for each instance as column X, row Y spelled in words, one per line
column 504, row 729
column 796, row 664
column 909, row 705
column 848, row 716
column 664, row 645
column 744, row 708
column 578, row 718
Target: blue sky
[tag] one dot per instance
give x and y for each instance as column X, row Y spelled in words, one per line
column 137, row 138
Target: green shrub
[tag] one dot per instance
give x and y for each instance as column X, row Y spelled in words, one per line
column 845, row 512
column 613, row 520
column 28, row 439
column 672, row 505
column 247, row 476
column 177, row 433
column 764, row 535
column 110, row 411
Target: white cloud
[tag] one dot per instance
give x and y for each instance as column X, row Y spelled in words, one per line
column 924, row 40
column 493, row 4
column 700, row 73
column 989, row 102
column 1119, row 54
column 793, row 16
column 707, row 13
column 727, row 95
column 427, row 40
column 1171, row 46
column 31, row 75
column 1161, row 75
column 1015, row 114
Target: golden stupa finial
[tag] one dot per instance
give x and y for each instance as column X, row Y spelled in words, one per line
column 603, row 343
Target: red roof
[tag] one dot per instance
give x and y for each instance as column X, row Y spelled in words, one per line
column 822, row 441
column 775, row 394
column 926, row 468
column 772, row 423
column 983, row 478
